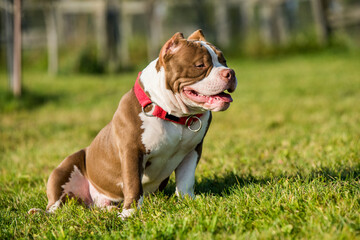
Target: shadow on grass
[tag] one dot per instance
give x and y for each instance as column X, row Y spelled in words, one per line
column 223, row 184
column 29, row 100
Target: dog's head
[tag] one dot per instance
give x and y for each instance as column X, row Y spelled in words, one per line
column 194, row 74
column 197, row 71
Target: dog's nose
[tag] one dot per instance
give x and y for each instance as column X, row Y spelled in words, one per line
column 228, row 74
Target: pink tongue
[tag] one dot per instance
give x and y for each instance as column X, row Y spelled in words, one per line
column 224, row 97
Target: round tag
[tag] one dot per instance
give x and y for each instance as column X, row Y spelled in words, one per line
column 189, row 122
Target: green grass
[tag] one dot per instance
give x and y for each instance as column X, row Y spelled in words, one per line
column 282, row 162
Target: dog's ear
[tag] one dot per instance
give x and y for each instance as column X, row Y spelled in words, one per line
column 198, row 35
column 172, row 45
column 170, row 48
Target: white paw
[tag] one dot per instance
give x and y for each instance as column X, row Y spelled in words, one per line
column 126, row 213
column 54, row 207
column 185, row 194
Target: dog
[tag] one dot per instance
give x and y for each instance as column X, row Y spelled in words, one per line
column 158, row 128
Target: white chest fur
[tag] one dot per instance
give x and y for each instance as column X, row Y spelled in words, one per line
column 167, row 144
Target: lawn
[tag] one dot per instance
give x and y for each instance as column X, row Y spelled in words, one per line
column 282, row 162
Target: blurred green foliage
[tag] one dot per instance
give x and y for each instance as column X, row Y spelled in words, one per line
column 88, row 61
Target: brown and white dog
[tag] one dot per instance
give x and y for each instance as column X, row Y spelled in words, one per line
column 158, row 128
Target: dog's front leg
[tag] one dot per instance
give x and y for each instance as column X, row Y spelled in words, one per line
column 132, row 187
column 185, row 174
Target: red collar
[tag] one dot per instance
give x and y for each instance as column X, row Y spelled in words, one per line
column 144, row 101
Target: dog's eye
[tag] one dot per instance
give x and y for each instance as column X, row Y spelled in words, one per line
column 222, row 60
column 200, row 65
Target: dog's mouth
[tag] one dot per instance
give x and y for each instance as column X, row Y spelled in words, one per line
column 221, row 97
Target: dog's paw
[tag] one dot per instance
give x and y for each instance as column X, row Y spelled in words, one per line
column 126, row 213
column 35, row 211
column 183, row 195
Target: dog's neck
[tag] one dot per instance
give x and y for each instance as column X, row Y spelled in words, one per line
column 154, row 84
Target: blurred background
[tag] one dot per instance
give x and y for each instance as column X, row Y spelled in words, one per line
column 109, row 36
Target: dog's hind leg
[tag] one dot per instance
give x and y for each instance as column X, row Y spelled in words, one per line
column 68, row 180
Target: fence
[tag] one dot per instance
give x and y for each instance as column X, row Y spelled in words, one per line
column 114, row 23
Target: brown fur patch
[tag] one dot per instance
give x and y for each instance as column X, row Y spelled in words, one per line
column 187, row 66
column 190, row 64
column 119, row 145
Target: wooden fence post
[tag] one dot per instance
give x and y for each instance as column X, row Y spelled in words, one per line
column 266, row 23
column 100, row 26
column 155, row 12
column 125, row 33
column 17, row 49
column 51, row 37
column 9, row 40
column 280, row 23
column 320, row 21
column 247, row 17
column 222, row 28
